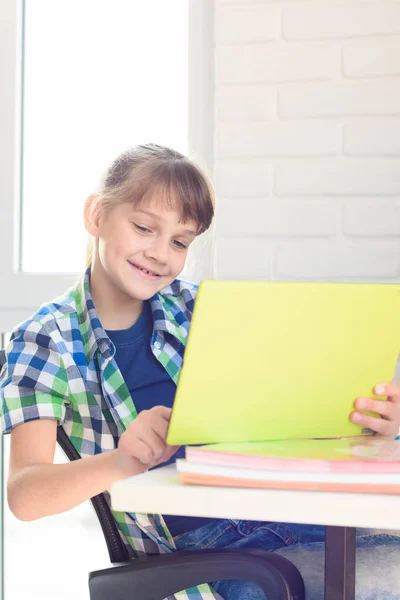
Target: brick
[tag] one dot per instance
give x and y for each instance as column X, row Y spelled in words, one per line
column 381, row 58
column 246, row 23
column 281, row 2
column 254, row 217
column 373, row 138
column 281, row 139
column 243, row 258
column 338, row 260
column 372, row 218
column 276, row 63
column 245, row 103
column 243, row 178
column 247, row 2
column 336, row 100
column 338, row 177
column 325, row 22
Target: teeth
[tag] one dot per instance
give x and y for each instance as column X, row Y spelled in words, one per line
column 147, row 272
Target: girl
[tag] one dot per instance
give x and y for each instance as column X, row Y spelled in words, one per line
column 103, row 362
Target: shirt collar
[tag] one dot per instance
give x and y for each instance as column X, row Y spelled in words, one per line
column 92, row 332
column 167, row 317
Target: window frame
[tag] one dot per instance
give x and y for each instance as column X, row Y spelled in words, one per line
column 22, row 293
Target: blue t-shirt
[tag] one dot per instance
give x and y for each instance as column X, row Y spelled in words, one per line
column 149, row 385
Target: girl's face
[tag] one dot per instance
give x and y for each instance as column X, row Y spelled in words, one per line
column 141, row 250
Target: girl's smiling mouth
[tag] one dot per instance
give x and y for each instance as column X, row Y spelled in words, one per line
column 144, row 272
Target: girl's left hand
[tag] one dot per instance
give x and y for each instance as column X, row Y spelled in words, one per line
column 389, row 425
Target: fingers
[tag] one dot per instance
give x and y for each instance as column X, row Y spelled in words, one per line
column 156, row 419
column 144, row 439
column 380, row 426
column 388, row 425
column 154, row 443
column 169, row 452
column 162, row 411
column 392, row 390
column 389, row 410
column 142, row 451
column 386, row 409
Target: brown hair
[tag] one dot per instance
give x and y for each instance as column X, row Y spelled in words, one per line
column 148, row 168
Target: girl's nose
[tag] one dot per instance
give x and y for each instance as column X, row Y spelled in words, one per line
column 158, row 251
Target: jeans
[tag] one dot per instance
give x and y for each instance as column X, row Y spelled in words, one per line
column 377, row 567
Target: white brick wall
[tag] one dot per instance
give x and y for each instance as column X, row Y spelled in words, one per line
column 335, row 20
column 307, row 139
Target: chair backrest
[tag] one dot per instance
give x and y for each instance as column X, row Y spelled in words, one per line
column 116, row 548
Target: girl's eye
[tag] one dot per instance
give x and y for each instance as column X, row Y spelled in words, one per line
column 180, row 245
column 141, row 228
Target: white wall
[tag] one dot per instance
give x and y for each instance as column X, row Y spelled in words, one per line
column 307, row 139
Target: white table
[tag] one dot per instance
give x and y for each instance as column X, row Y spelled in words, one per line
column 161, row 492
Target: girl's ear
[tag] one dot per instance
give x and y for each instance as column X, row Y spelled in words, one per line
column 91, row 214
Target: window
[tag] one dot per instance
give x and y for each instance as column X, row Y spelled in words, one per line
column 99, row 77
column 86, row 79
column 83, row 80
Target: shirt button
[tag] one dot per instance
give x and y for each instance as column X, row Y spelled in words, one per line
column 157, row 345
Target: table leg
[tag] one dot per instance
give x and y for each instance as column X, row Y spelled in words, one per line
column 340, row 563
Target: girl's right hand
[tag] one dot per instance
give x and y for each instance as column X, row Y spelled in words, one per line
column 144, row 439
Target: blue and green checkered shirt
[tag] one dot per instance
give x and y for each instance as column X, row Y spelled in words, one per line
column 60, row 365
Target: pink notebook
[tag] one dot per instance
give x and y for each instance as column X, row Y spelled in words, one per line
column 371, row 483
column 356, row 455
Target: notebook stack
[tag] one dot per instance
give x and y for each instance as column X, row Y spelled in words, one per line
column 342, row 465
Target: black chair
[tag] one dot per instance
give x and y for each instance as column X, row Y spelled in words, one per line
column 159, row 576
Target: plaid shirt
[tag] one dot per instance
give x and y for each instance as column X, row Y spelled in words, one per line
column 60, row 366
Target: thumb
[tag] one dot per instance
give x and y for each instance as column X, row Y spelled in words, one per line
column 169, row 452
